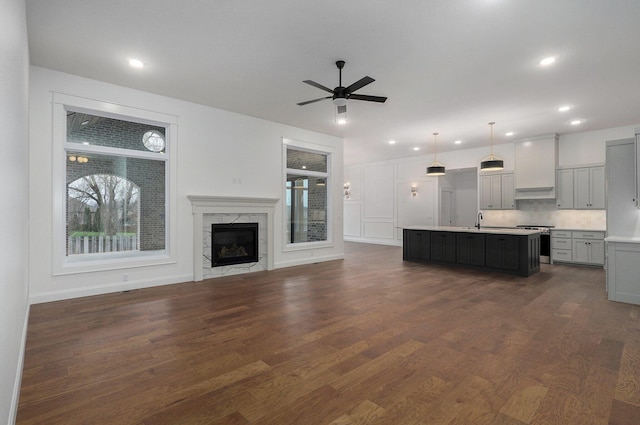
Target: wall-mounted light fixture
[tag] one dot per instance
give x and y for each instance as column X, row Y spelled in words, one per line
column 79, row 159
column 347, row 190
column 414, row 190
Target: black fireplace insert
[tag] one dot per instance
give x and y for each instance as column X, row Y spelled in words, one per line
column 234, row 243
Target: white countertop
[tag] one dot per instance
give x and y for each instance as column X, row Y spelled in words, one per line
column 624, row 239
column 576, row 229
column 492, row 230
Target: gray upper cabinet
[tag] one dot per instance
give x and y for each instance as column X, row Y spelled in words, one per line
column 490, row 192
column 508, row 191
column 580, row 188
column 588, row 188
column 497, row 191
column 564, row 188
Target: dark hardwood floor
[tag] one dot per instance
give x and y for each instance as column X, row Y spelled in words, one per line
column 368, row 340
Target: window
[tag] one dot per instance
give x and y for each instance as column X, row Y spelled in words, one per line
column 306, row 195
column 115, row 186
column 115, row 202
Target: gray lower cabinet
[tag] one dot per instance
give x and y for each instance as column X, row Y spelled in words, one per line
column 622, row 271
column 470, row 249
column 577, row 247
column 515, row 254
column 588, row 251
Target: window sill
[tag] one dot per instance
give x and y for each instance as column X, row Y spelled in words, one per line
column 301, row 246
column 106, row 262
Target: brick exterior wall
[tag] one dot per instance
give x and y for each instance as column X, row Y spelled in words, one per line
column 317, row 194
column 148, row 175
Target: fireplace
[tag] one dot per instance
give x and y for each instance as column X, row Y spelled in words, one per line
column 234, row 243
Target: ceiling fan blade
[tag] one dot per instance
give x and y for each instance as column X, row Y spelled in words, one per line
column 380, row 99
column 320, row 86
column 314, row 100
column 359, row 84
column 342, row 109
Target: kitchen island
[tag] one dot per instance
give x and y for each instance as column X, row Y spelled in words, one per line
column 515, row 251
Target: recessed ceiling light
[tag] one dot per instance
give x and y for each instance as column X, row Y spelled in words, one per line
column 575, row 122
column 564, row 108
column 341, row 121
column 392, row 142
column 548, row 61
column 510, row 133
column 416, row 148
column 457, row 142
column 136, row 63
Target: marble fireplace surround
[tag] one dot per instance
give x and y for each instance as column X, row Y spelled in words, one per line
column 203, row 205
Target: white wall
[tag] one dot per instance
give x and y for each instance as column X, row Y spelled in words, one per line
column 423, row 209
column 466, row 193
column 14, row 188
column 589, row 147
column 216, row 150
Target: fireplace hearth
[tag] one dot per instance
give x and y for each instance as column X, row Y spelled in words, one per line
column 234, row 243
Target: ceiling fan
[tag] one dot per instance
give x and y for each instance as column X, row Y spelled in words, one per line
column 341, row 94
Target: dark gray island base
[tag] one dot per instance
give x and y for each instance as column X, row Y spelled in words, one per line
column 511, row 251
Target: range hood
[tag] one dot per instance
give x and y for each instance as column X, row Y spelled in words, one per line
column 535, row 170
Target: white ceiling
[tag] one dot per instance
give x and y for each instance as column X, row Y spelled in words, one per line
column 449, row 66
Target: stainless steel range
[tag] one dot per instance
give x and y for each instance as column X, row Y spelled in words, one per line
column 545, row 240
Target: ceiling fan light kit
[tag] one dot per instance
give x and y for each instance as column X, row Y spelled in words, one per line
column 436, row 168
column 340, row 95
column 492, row 162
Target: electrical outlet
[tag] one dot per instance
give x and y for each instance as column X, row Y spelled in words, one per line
column 125, row 277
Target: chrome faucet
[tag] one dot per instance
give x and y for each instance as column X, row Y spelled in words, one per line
column 479, row 218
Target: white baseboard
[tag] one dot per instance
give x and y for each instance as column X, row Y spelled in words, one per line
column 392, row 242
column 15, row 398
column 88, row 291
column 308, row 260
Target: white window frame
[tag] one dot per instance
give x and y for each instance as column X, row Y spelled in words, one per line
column 329, row 151
column 63, row 264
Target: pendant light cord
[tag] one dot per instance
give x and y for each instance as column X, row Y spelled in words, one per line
column 491, row 124
column 435, row 147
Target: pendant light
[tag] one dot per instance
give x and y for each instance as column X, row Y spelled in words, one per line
column 492, row 162
column 436, row 168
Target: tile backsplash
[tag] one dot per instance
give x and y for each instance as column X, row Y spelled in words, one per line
column 544, row 212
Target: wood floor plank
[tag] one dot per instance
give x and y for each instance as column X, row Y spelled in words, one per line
column 367, row 340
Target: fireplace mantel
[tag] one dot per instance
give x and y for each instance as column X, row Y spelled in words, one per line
column 202, row 205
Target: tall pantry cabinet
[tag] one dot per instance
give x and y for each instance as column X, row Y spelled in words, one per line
column 623, row 222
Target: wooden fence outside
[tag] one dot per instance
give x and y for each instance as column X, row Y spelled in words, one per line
column 96, row 244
